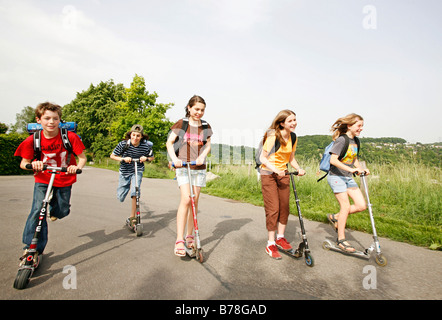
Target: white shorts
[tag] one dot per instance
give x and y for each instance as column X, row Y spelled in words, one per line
column 198, row 177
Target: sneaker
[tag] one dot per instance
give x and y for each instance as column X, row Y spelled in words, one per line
column 273, row 252
column 37, row 259
column 283, row 244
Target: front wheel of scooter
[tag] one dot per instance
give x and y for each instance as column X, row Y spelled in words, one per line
column 139, row 230
column 309, row 260
column 199, row 255
column 381, row 260
column 22, row 278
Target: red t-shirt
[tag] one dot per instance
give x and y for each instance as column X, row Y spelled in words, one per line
column 53, row 154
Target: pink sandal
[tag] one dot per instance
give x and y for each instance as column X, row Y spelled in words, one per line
column 189, row 243
column 180, row 252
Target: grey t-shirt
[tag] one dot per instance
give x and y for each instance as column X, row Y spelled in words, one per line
column 348, row 159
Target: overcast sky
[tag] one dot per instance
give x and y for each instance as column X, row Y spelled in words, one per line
column 248, row 59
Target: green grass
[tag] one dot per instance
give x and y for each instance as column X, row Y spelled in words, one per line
column 405, row 199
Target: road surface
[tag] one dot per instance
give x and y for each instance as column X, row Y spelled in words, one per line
column 91, row 255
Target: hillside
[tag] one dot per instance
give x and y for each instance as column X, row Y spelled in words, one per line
column 380, row 150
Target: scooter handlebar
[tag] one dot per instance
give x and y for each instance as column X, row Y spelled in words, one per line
column 185, row 163
column 362, row 174
column 134, row 160
column 293, row 173
column 46, row 167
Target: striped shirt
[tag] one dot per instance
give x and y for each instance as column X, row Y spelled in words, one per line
column 143, row 149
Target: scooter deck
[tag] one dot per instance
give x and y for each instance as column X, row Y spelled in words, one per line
column 331, row 246
column 191, row 252
column 291, row 252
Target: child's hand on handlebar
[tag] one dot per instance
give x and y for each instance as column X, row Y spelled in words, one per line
column 178, row 163
column 72, row 169
column 301, row 172
column 37, row 165
column 358, row 171
column 200, row 161
column 127, row 159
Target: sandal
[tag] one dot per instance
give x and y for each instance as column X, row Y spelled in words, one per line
column 345, row 247
column 180, row 252
column 333, row 221
column 189, row 241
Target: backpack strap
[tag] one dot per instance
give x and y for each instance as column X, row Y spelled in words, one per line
column 66, row 144
column 125, row 147
column 358, row 142
column 347, row 143
column 37, row 144
column 345, row 148
column 64, row 138
column 179, row 139
column 274, row 149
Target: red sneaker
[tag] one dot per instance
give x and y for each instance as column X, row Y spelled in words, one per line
column 273, row 252
column 283, row 244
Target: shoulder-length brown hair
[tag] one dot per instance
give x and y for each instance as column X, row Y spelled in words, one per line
column 341, row 125
column 276, row 126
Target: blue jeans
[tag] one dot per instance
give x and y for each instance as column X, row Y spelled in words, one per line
column 59, row 207
column 126, row 183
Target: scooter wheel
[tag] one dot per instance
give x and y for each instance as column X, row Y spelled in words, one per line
column 199, row 256
column 326, row 244
column 139, row 230
column 309, row 260
column 381, row 260
column 22, row 278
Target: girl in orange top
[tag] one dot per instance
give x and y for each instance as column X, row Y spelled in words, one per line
column 275, row 184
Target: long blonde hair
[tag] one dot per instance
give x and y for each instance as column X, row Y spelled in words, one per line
column 341, row 125
column 276, row 125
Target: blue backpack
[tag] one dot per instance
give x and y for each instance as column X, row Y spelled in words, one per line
column 324, row 164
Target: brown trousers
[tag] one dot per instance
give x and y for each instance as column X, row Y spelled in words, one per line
column 276, row 196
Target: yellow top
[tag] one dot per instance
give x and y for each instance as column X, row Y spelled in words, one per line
column 281, row 157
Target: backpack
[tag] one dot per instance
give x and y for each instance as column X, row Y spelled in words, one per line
column 36, row 128
column 324, row 164
column 179, row 139
column 274, row 149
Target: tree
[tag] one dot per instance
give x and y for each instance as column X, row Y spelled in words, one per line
column 140, row 107
column 3, row 128
column 104, row 113
column 94, row 110
column 27, row 115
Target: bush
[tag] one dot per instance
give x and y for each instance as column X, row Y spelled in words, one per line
column 9, row 164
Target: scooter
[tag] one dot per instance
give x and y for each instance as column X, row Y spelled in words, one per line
column 31, row 260
column 303, row 246
column 375, row 246
column 138, row 227
column 195, row 251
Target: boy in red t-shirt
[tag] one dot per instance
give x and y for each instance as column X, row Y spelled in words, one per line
column 53, row 154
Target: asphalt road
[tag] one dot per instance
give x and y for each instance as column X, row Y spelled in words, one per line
column 91, row 255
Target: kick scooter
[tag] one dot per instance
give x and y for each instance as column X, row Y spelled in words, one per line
column 196, row 251
column 375, row 246
column 26, row 269
column 303, row 246
column 137, row 227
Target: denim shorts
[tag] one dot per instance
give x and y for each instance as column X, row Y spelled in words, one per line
column 198, row 177
column 128, row 182
column 340, row 184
